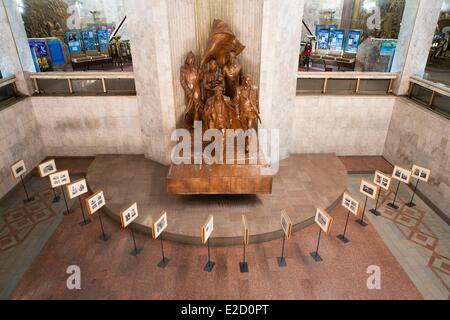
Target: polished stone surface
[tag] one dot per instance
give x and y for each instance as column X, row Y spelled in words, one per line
column 108, row 271
column 417, row 237
column 302, row 183
column 419, row 136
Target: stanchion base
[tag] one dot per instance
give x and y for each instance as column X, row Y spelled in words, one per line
column 105, row 237
column 85, row 222
column 243, row 267
column 361, row 222
column 209, row 266
column 315, row 255
column 411, row 204
column 392, row 205
column 375, row 212
column 163, row 263
column 65, row 212
column 56, row 199
column 28, row 200
column 343, row 238
column 136, row 251
column 282, row 262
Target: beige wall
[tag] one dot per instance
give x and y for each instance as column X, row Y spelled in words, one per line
column 418, row 136
column 345, row 125
column 86, row 126
column 20, row 139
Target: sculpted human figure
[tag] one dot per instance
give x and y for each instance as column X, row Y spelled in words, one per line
column 246, row 103
column 212, row 79
column 232, row 72
column 219, row 111
column 190, row 78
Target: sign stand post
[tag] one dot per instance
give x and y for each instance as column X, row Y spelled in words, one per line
column 136, row 250
column 56, row 198
column 392, row 204
column 282, row 260
column 374, row 211
column 411, row 203
column 210, row 264
column 103, row 236
column 165, row 261
column 361, row 221
column 65, row 201
column 85, row 221
column 315, row 255
column 28, row 199
column 243, row 266
column 342, row 237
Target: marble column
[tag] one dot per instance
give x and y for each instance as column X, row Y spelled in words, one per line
column 15, row 55
column 419, row 22
column 148, row 27
column 280, row 49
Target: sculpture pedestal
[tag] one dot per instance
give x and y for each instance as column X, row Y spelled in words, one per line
column 218, row 179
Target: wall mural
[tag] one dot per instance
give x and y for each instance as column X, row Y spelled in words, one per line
column 45, row 18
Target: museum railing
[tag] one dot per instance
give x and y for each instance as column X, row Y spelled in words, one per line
column 83, row 83
column 434, row 96
column 345, row 82
column 8, row 92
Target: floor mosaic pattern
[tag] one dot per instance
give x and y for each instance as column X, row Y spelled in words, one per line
column 24, row 230
column 418, row 238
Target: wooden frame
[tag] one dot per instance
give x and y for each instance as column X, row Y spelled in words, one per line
column 80, row 188
column 47, row 168
column 18, row 169
column 128, row 215
column 95, row 202
column 59, row 178
column 246, row 233
column 159, row 226
column 368, row 189
column 382, row 180
column 207, row 228
column 286, row 224
column 420, row 173
column 323, row 220
column 401, row 174
column 350, row 203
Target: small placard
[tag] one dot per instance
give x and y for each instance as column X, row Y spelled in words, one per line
column 420, row 173
column 59, row 178
column 159, row 226
column 47, row 167
column 350, row 203
column 382, row 180
column 18, row 169
column 95, row 202
column 324, row 220
column 401, row 174
column 77, row 188
column 207, row 228
column 128, row 215
column 246, row 233
column 286, row 224
column 369, row 189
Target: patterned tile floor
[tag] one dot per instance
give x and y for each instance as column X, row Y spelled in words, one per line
column 417, row 237
column 410, row 245
column 24, row 230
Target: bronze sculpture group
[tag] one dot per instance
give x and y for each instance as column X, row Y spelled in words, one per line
column 220, row 96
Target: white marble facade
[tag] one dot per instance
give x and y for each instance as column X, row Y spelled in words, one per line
column 418, row 136
column 414, row 42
